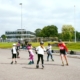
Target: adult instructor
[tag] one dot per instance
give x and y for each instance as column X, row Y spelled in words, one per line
column 63, row 52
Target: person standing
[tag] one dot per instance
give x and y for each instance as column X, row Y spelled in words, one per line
column 40, row 52
column 18, row 48
column 31, row 56
column 29, row 46
column 49, row 52
column 14, row 53
column 63, row 52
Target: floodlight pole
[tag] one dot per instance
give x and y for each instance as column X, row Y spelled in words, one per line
column 75, row 23
column 21, row 20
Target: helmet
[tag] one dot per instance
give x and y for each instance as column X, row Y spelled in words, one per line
column 41, row 42
column 59, row 40
column 14, row 44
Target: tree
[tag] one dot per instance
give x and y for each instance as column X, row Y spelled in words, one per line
column 49, row 31
column 60, row 35
column 38, row 32
column 78, row 35
column 67, row 32
column 3, row 37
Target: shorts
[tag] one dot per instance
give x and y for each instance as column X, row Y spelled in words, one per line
column 63, row 52
column 13, row 55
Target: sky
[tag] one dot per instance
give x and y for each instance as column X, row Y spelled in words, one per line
column 38, row 14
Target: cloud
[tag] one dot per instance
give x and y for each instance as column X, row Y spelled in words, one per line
column 38, row 13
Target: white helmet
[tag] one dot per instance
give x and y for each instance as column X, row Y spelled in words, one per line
column 14, row 44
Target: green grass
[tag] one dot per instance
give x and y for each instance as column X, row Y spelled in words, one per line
column 71, row 46
column 5, row 45
column 34, row 44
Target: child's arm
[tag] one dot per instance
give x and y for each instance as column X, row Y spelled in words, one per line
column 45, row 49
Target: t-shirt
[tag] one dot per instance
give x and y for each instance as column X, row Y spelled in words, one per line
column 14, row 51
column 49, row 48
column 40, row 50
column 62, row 46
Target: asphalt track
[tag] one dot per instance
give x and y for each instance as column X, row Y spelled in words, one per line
column 23, row 71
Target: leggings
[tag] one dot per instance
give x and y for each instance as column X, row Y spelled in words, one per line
column 31, row 57
column 17, row 54
column 40, row 56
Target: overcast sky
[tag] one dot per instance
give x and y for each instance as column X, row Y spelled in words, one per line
column 38, row 13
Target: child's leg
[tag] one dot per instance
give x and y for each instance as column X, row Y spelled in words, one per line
column 12, row 61
column 42, row 61
column 15, row 61
column 61, row 55
column 47, row 56
column 12, row 58
column 17, row 54
column 32, row 59
column 37, row 66
column 52, row 57
column 15, row 58
column 66, row 59
column 38, row 59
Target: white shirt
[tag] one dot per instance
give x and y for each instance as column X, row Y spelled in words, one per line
column 14, row 50
column 40, row 50
column 49, row 48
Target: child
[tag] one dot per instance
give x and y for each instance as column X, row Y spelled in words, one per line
column 49, row 52
column 40, row 52
column 14, row 53
column 28, row 47
column 31, row 55
column 18, row 48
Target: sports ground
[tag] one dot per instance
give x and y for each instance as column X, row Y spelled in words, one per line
column 51, row 71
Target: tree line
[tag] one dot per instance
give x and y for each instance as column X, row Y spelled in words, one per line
column 67, row 32
column 51, row 31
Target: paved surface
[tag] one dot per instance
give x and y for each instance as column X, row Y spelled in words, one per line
column 23, row 71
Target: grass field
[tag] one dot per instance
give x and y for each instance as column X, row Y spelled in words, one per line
column 74, row 46
column 71, row 46
column 5, row 45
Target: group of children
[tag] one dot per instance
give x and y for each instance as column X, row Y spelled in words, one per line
column 15, row 53
column 40, row 50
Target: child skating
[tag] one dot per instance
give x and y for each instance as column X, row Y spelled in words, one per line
column 49, row 52
column 14, row 53
column 31, row 55
column 40, row 53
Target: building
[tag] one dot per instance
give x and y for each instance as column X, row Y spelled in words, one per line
column 19, row 34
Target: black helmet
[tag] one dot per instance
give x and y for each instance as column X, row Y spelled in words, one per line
column 49, row 44
column 59, row 40
column 41, row 42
